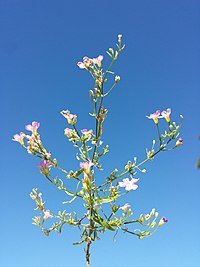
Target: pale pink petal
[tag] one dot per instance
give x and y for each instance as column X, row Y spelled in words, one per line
column 95, row 60
column 16, row 138
column 128, row 187
column 35, row 125
column 166, row 113
column 19, row 137
column 134, row 186
column 68, row 130
column 47, row 214
column 126, row 180
column 154, row 115
column 84, row 131
column 121, row 184
column 100, row 58
column 86, row 59
column 29, row 127
column 81, row 65
column 133, row 180
column 82, row 165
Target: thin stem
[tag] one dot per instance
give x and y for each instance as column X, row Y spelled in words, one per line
column 87, row 255
column 130, row 232
column 126, row 171
column 110, row 89
column 159, row 136
column 97, row 126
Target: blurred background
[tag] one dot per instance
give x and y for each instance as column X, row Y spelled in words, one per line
column 40, row 44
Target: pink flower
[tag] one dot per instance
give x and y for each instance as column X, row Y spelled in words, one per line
column 47, row 214
column 86, row 166
column 71, row 118
column 125, row 207
column 69, row 132
column 166, row 114
column 85, row 64
column 129, row 184
column 45, row 166
column 87, row 133
column 19, row 138
column 155, row 116
column 98, row 60
column 33, row 127
column 88, row 61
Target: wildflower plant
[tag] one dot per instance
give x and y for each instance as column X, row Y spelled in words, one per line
column 101, row 199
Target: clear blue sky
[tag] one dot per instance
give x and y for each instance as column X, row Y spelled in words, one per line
column 40, row 44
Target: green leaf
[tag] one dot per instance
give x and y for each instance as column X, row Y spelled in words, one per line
column 107, row 225
column 97, row 218
column 109, row 54
column 70, row 201
column 80, row 242
column 106, row 200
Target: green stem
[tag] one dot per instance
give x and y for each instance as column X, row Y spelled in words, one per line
column 159, row 136
column 130, row 232
column 89, row 239
column 98, row 128
column 126, row 171
column 110, row 89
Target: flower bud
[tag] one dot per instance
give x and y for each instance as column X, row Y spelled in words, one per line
column 179, row 142
column 162, row 221
column 152, row 224
column 117, row 78
column 152, row 212
column 170, row 127
column 85, row 185
column 47, row 214
column 81, row 193
column 127, row 167
column 119, row 38
column 141, row 219
column 91, row 94
column 111, row 50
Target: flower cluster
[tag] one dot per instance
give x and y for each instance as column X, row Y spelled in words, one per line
column 34, row 144
column 70, row 133
column 87, row 62
column 96, row 193
column 164, row 114
column 172, row 134
column 87, row 134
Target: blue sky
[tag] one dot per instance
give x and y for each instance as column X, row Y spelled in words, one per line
column 40, row 44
